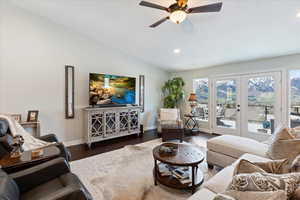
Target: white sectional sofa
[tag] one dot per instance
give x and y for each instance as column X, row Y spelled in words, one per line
column 226, row 151
column 219, row 182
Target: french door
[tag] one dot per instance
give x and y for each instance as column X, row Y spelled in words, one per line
column 226, row 105
column 247, row 105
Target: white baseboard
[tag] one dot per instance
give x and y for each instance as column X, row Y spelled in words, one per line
column 73, row 142
column 81, row 141
column 150, row 128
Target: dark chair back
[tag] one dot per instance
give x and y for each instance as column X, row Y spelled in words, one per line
column 9, row 189
column 6, row 140
column 3, row 127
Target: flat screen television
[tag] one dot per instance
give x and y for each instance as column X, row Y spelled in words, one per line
column 108, row 89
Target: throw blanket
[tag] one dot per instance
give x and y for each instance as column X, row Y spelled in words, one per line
column 30, row 142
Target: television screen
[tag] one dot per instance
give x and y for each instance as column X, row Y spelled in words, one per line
column 111, row 89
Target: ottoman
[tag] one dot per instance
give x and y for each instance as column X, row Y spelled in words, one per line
column 224, row 150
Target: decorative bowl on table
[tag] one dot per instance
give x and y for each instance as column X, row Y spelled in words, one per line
column 168, row 149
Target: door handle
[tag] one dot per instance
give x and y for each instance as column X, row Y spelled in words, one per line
column 238, row 110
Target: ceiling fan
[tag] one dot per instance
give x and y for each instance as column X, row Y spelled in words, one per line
column 179, row 10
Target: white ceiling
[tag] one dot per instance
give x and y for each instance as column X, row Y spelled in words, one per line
column 243, row 30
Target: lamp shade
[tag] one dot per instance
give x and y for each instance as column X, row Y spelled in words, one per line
column 178, row 16
column 192, row 97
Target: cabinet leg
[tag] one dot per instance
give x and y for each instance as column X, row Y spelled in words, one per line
column 210, row 166
column 89, row 145
column 155, row 172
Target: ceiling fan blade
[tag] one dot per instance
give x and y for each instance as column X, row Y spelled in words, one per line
column 159, row 22
column 208, row 8
column 153, row 5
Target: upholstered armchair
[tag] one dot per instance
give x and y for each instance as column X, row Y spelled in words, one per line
column 51, row 180
column 169, row 117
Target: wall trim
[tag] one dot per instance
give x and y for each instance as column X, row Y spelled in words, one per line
column 74, row 142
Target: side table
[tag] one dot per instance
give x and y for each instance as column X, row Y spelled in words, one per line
column 187, row 156
column 11, row 165
column 191, row 123
column 35, row 126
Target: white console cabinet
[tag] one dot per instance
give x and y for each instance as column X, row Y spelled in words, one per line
column 111, row 122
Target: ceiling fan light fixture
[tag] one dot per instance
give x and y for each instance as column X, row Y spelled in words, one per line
column 178, row 16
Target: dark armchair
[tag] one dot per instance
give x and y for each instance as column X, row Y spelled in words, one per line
column 6, row 140
column 51, row 180
column 64, row 152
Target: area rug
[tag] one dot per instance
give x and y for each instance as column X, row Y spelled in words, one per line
column 126, row 174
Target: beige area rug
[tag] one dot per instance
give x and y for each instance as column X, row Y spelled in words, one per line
column 126, row 174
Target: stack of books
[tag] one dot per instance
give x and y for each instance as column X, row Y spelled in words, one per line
column 182, row 174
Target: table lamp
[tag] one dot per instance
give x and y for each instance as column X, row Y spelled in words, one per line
column 193, row 102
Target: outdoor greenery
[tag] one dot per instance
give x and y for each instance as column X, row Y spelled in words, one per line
column 173, row 92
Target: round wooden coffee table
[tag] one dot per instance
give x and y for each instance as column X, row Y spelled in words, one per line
column 186, row 155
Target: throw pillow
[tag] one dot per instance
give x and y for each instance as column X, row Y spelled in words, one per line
column 284, row 145
column 295, row 166
column 263, row 182
column 296, row 194
column 295, row 131
column 274, row 195
column 246, row 167
column 275, row 166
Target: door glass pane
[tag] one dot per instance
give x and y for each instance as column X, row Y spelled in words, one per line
column 201, row 90
column 226, row 104
column 294, row 98
column 261, row 102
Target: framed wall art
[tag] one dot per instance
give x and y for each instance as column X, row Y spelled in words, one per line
column 69, row 92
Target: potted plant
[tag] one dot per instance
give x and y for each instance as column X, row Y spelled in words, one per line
column 173, row 92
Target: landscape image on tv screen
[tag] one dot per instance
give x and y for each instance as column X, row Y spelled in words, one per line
column 111, row 89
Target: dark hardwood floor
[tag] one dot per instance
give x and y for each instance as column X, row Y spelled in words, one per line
column 82, row 151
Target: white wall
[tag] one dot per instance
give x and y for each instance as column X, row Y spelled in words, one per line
column 1, row 50
column 278, row 64
column 284, row 62
column 34, row 52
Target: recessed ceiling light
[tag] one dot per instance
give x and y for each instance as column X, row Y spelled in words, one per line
column 298, row 14
column 176, row 51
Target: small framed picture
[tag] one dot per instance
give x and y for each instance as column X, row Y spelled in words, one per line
column 32, row 116
column 17, row 117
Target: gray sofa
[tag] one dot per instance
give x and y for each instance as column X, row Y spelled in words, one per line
column 51, row 180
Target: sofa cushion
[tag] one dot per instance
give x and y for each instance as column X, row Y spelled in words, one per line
column 273, row 195
column 236, row 146
column 223, row 197
column 203, row 194
column 220, row 181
